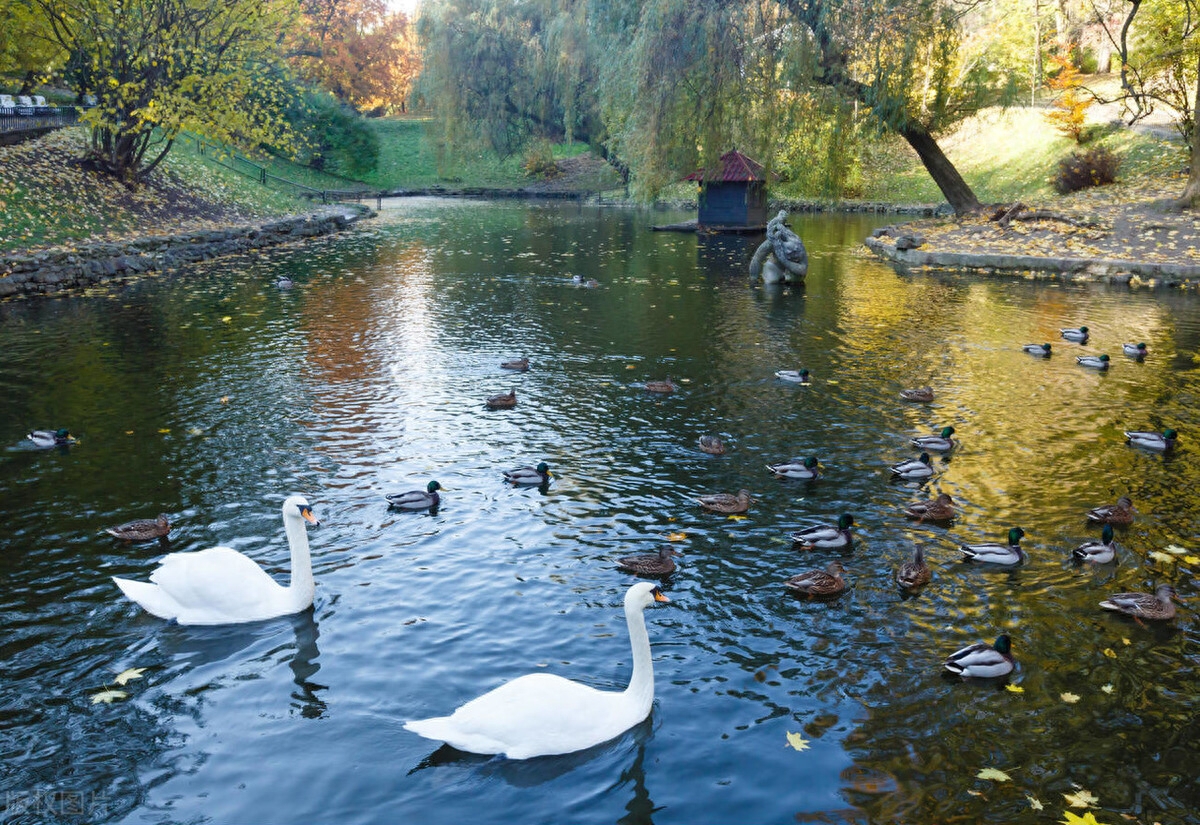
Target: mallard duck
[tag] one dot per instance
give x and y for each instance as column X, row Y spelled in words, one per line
column 1094, row 362
column 1040, row 350
column 915, row 573
column 655, row 565
column 284, row 282
column 1137, row 351
column 45, row 439
column 983, row 661
column 935, row 509
column 1157, row 605
column 144, row 529
column 922, row 394
column 1152, row 441
column 825, row 536
column 936, row 443
column 712, row 444
column 816, row 584
column 1077, row 334
column 662, row 386
column 794, row 376
column 913, row 468
column 529, row 476
column 1097, row 552
column 805, row 470
column 426, row 499
column 1119, row 513
column 726, row 502
column 517, row 365
column 504, row 401
column 1006, row 554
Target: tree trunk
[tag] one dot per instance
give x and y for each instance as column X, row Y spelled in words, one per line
column 947, row 178
column 1190, row 198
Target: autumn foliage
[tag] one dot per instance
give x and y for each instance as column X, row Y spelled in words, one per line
column 357, row 50
column 1080, row 170
column 1068, row 110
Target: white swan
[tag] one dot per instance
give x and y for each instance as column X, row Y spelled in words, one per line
column 540, row 714
column 222, row 586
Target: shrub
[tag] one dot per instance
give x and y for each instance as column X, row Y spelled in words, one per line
column 539, row 162
column 1079, row 170
column 1068, row 110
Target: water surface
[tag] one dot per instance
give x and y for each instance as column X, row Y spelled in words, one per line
column 211, row 395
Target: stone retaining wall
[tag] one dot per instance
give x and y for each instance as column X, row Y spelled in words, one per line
column 59, row 269
column 1133, row 273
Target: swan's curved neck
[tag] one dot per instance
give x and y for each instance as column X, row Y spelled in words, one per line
column 301, row 588
column 641, row 684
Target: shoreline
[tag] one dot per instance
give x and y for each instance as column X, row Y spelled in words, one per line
column 63, row 269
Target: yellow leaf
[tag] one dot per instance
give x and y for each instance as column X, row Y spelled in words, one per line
column 1110, row 653
column 1082, row 799
column 1074, row 819
column 164, row 430
column 631, row 366
column 1190, row 559
column 993, row 773
column 1034, row 802
column 1014, row 688
column 797, row 741
column 1160, row 556
column 1069, row 698
column 737, row 518
column 226, row 319
column 1107, row 688
column 107, row 697
column 129, row 675
column 129, row 432
column 224, row 399
column 831, row 381
column 676, row 536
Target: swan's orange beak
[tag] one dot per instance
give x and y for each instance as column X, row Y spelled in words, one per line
column 309, row 517
column 659, row 596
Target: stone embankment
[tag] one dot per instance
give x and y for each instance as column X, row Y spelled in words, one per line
column 908, row 250
column 55, row 270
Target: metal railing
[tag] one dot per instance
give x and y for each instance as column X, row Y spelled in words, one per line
column 37, row 118
column 244, row 166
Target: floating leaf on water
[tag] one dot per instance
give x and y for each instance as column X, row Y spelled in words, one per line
column 676, row 536
column 129, row 675
column 224, row 399
column 1014, row 688
column 226, row 319
column 1110, row 653
column 164, row 430
column 1034, row 802
column 1160, row 556
column 832, row 381
column 1075, row 819
column 797, row 741
column 1069, row 698
column 993, row 773
column 1176, row 550
column 1107, row 688
column 1081, row 799
column 737, row 518
column 109, row 696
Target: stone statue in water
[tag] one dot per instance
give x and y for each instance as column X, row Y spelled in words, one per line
column 782, row 256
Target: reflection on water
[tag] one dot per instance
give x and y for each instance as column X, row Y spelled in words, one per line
column 213, row 394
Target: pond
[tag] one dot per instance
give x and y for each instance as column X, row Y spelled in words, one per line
column 212, row 394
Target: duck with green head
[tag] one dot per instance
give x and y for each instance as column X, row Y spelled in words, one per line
column 994, row 553
column 1040, row 350
column 1097, row 552
column 1137, row 351
column 825, row 536
column 427, row 499
column 1077, row 334
column 1159, row 442
column 806, row 470
column 983, row 661
column 1093, row 362
column 45, row 439
column 940, row 443
column 913, row 468
column 529, row 476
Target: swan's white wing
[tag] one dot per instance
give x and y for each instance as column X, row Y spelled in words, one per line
column 534, row 715
column 216, row 585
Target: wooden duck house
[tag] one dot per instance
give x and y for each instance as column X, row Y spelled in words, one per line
column 733, row 197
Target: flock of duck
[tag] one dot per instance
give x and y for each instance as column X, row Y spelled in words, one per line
column 541, row 714
column 979, row 660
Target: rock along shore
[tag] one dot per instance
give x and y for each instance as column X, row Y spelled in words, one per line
column 55, row 270
column 903, row 250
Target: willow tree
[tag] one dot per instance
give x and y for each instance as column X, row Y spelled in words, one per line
column 159, row 67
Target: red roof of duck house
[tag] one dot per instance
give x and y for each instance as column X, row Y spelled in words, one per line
column 735, row 168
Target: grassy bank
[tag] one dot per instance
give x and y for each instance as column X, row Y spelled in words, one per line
column 46, row 199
